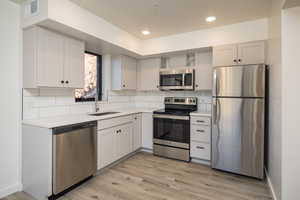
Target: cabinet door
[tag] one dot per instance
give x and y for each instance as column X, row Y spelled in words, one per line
column 203, row 71
column 225, row 55
column 147, row 130
column 129, row 73
column 251, row 53
column 50, row 59
column 137, row 132
column 148, row 74
column 124, row 140
column 106, row 147
column 74, row 63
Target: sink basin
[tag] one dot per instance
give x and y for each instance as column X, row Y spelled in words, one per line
column 104, row 113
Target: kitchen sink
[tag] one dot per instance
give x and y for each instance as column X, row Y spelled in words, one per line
column 103, row 113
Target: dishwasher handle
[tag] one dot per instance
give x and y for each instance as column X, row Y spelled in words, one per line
column 73, row 127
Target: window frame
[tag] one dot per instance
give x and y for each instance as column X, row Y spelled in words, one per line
column 99, row 80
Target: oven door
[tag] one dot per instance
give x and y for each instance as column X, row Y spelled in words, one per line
column 172, row 130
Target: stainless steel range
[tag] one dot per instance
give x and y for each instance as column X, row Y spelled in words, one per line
column 171, row 130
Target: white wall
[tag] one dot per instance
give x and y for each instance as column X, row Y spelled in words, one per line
column 290, row 104
column 10, row 106
column 275, row 62
column 235, row 33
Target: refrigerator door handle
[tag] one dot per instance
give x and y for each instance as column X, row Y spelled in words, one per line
column 214, row 92
column 215, row 112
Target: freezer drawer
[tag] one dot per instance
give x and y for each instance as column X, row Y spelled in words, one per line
column 239, row 81
column 74, row 155
column 238, row 135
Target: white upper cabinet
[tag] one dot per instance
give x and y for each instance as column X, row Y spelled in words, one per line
column 124, row 70
column 203, row 71
column 251, row 53
column 225, row 55
column 74, row 60
column 52, row 60
column 148, row 74
column 239, row 54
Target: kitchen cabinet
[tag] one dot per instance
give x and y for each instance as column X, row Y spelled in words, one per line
column 74, row 63
column 114, row 143
column 251, row 53
column 52, row 60
column 239, row 54
column 124, row 140
column 203, row 71
column 148, row 74
column 106, row 147
column 201, row 138
column 137, row 132
column 118, row 137
column 147, row 131
column 124, row 73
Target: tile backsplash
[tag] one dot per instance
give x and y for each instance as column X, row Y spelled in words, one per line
column 46, row 102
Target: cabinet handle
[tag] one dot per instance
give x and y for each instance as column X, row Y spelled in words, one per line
column 67, row 82
column 124, row 85
column 197, row 85
column 235, row 60
column 62, row 82
column 240, row 60
column 200, row 121
column 199, row 147
column 201, row 131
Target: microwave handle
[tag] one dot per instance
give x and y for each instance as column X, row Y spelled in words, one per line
column 183, row 79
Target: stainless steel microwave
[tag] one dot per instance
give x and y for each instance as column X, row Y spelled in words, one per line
column 177, row 79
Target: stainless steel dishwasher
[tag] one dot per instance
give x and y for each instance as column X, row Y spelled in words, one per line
column 74, row 155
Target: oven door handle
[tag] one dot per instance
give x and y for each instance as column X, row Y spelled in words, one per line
column 158, row 116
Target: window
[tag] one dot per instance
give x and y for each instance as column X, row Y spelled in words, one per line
column 93, row 79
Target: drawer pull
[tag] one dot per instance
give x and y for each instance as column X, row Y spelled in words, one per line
column 200, row 121
column 200, row 131
column 199, row 147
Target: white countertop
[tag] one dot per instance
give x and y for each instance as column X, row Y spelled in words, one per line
column 200, row 114
column 64, row 120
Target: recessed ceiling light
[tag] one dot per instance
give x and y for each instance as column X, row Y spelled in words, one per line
column 211, row 18
column 146, row 32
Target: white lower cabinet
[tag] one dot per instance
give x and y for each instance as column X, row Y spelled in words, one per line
column 124, row 140
column 200, row 150
column 106, row 147
column 137, row 132
column 118, row 137
column 201, row 138
column 147, row 131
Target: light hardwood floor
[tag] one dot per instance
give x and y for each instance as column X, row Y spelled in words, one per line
column 147, row 177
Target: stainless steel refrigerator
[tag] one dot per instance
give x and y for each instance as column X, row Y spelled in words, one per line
column 238, row 125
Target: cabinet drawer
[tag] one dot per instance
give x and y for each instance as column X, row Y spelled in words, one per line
column 107, row 123
column 200, row 150
column 200, row 133
column 200, row 120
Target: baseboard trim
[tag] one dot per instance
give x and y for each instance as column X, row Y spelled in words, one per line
column 10, row 190
column 202, row 162
column 271, row 185
column 146, row 150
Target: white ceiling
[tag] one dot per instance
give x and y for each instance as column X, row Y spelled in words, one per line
column 167, row 17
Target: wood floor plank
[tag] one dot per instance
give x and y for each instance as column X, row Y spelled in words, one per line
column 148, row 177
